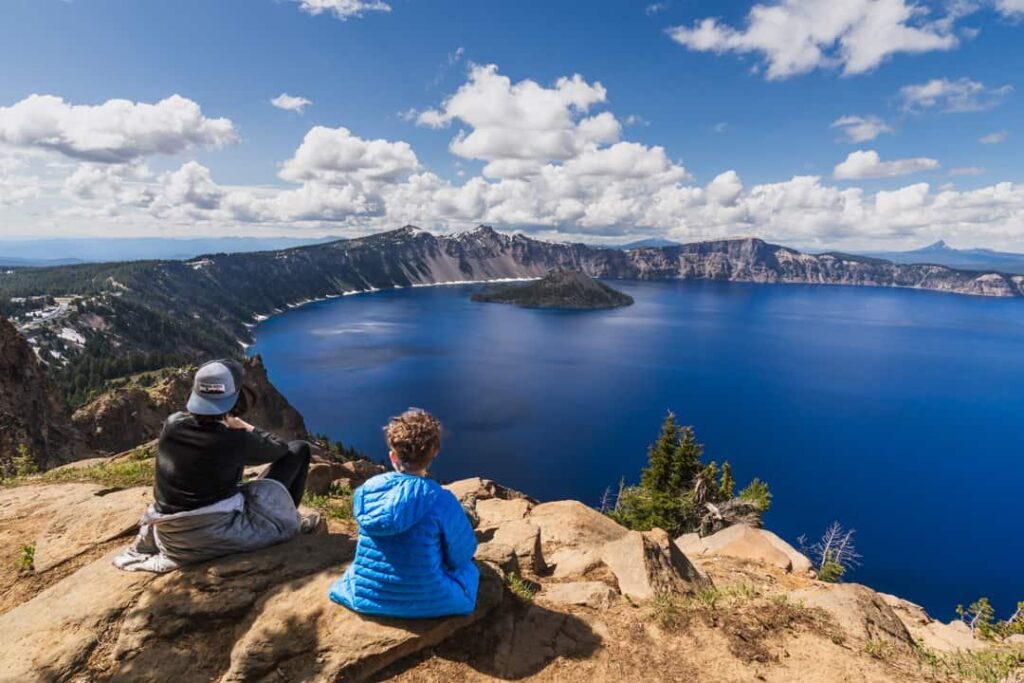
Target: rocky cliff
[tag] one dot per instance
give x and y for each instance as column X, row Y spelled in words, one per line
column 132, row 414
column 566, row 595
column 149, row 311
column 30, row 414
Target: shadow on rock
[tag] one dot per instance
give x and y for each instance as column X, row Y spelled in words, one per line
column 518, row 639
column 184, row 625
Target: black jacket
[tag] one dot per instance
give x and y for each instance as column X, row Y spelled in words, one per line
column 200, row 463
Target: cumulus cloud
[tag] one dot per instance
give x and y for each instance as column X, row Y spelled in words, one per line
column 576, row 179
column 517, row 127
column 16, row 186
column 1011, row 8
column 343, row 9
column 794, row 37
column 116, row 131
column 334, row 156
column 861, row 128
column 868, row 164
column 961, row 95
column 291, row 102
column 994, row 138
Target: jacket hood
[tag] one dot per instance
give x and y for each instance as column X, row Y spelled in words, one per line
column 391, row 503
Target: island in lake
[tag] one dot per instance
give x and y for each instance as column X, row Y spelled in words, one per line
column 561, row 288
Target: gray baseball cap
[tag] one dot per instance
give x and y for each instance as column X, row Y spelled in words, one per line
column 215, row 388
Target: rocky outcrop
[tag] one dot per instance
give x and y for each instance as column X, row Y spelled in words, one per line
column 633, row 611
column 747, row 543
column 30, row 414
column 126, row 416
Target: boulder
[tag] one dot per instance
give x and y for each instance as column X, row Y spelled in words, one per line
column 747, row 543
column 358, row 471
column 319, row 479
column 648, row 564
column 569, row 523
column 861, row 613
column 525, row 539
column 482, row 489
column 85, row 523
column 496, row 511
column 584, row 593
column 297, row 634
column 572, row 562
column 499, row 555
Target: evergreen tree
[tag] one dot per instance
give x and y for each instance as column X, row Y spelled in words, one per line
column 661, row 456
column 686, row 463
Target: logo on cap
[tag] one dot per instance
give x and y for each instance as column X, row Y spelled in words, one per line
column 210, row 388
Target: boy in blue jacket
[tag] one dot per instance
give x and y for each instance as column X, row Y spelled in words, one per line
column 414, row 558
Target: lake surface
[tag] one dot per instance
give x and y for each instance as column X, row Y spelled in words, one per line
column 895, row 412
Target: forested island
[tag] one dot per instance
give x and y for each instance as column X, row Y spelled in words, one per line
column 561, row 288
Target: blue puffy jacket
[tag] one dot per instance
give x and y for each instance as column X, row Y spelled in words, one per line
column 414, row 557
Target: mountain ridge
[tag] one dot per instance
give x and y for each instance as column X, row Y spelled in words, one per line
column 113, row 319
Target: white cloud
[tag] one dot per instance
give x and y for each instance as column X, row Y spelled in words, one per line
column 655, row 8
column 16, row 186
column 116, row 131
column 291, row 102
column 994, row 138
column 720, row 127
column 1011, row 8
column 967, row 171
column 343, row 9
column 588, row 185
column 867, row 164
column 518, row 127
column 961, row 95
column 797, row 36
column 635, row 120
column 861, row 128
column 334, row 156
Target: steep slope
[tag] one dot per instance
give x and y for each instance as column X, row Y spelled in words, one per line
column 109, row 320
column 30, row 415
column 131, row 414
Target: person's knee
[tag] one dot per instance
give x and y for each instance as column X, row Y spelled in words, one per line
column 301, row 450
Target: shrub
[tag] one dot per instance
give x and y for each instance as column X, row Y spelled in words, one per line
column 757, row 494
column 521, row 588
column 27, row 559
column 24, row 464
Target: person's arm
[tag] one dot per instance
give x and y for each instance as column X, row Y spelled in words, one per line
column 457, row 537
column 257, row 446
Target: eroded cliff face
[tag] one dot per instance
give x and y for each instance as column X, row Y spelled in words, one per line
column 127, row 416
column 30, row 415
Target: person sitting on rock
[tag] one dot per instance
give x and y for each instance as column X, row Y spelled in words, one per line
column 414, row 557
column 201, row 508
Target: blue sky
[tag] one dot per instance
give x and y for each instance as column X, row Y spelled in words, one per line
column 688, row 107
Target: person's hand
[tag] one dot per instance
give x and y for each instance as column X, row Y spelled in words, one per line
column 233, row 422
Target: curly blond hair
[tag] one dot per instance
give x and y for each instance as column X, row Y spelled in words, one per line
column 415, row 437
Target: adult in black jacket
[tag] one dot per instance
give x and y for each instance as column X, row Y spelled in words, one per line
column 203, row 451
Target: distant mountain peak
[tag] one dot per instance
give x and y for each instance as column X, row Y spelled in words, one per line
column 940, row 244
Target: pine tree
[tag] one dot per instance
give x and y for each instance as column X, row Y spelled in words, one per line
column 661, row 456
column 686, row 461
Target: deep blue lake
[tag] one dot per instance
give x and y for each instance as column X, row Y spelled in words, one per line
column 895, row 412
